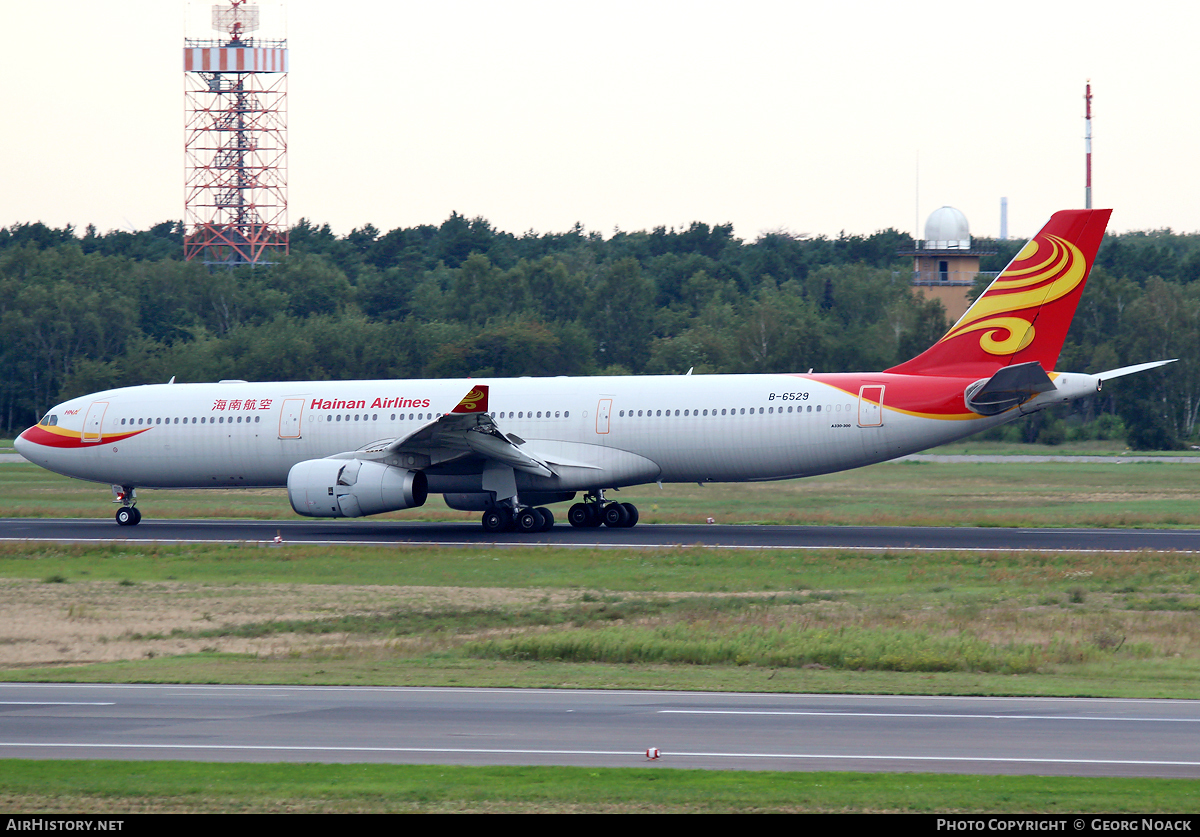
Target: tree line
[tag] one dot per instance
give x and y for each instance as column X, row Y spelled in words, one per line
column 85, row 312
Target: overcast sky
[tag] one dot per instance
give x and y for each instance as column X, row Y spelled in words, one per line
column 809, row 117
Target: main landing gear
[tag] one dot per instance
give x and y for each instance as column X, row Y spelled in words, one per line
column 526, row 520
column 594, row 511
column 128, row 514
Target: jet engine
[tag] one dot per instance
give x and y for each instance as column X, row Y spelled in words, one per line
column 353, row 488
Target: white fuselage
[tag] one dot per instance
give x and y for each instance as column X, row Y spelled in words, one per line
column 601, row 432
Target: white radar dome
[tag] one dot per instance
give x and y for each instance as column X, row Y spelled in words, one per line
column 947, row 229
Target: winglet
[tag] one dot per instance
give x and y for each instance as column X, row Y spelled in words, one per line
column 475, row 401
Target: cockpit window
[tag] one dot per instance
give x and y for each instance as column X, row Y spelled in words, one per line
column 49, row 420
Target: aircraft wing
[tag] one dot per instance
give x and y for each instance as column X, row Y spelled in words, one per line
column 466, row 430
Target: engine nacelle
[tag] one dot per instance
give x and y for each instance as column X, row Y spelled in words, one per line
column 353, row 488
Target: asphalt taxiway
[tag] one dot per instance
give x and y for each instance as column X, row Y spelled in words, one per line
column 384, row 533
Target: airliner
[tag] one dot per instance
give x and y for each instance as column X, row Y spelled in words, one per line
column 509, row 447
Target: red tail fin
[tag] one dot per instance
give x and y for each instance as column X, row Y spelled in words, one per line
column 1025, row 313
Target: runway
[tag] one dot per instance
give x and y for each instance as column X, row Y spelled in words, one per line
column 385, row 533
column 601, row 728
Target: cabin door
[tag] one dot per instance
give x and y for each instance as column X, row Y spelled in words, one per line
column 93, row 422
column 290, row 418
column 603, row 411
column 870, row 406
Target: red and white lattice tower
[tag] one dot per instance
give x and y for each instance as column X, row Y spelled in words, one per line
column 235, row 202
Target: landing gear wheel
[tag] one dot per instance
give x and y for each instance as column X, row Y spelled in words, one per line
column 580, row 516
column 529, row 521
column 495, row 521
column 128, row 516
column 615, row 516
column 547, row 518
column 631, row 509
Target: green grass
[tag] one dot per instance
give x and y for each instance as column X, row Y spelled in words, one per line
column 103, row 787
column 1094, row 447
column 845, row 647
column 1020, row 623
column 948, row 578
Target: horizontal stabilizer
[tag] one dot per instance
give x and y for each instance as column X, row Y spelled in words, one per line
column 1129, row 370
column 1009, row 387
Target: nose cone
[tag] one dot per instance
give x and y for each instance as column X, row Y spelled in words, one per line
column 22, row 444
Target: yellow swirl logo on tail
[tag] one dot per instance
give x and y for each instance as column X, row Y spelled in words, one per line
column 1048, row 268
column 474, row 401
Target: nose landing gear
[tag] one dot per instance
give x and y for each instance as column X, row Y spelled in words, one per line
column 128, row 514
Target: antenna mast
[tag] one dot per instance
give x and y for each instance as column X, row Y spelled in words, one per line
column 1087, row 97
